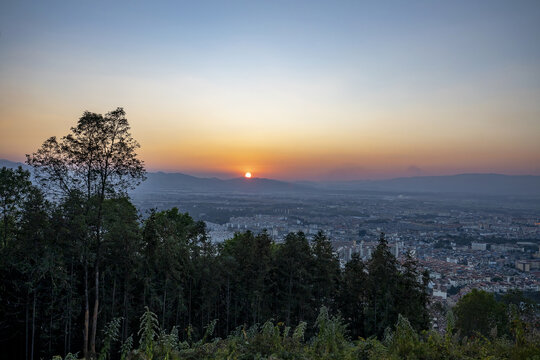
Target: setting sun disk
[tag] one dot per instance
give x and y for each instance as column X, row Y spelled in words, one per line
column 247, row 175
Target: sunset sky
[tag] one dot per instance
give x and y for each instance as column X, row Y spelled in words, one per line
column 290, row 90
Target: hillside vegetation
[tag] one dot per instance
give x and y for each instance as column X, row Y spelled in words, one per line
column 79, row 265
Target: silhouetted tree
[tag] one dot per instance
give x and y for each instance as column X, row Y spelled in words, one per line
column 15, row 185
column 294, row 279
column 382, row 289
column 98, row 158
column 326, row 272
column 412, row 295
column 352, row 298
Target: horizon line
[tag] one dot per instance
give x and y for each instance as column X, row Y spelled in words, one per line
column 211, row 175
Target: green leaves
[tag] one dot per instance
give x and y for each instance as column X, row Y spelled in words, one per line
column 110, row 332
column 148, row 330
column 126, row 347
column 479, row 312
column 331, row 337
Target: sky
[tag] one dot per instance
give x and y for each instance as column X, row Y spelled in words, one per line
column 292, row 90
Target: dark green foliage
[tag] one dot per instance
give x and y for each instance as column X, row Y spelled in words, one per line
column 90, row 246
column 247, row 260
column 148, row 331
column 330, row 341
column 413, row 297
column 331, row 336
column 373, row 295
column 293, row 278
column 353, row 295
column 326, row 272
column 110, row 335
column 479, row 313
column 167, row 263
column 202, row 292
column 96, row 161
column 15, row 186
column 383, row 282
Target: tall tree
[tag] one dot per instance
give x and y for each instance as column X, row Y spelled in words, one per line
column 16, row 192
column 15, row 185
column 98, row 158
column 248, row 259
column 122, row 243
column 352, row 295
column 325, row 271
column 172, row 250
column 412, row 297
column 382, row 289
column 294, row 279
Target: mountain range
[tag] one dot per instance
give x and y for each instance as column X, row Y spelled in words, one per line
column 479, row 184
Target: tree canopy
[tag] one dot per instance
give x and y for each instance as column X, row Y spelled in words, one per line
column 76, row 239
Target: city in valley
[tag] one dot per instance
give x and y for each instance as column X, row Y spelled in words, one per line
column 465, row 240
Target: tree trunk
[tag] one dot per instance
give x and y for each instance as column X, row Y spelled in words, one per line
column 86, row 312
column 65, row 336
column 50, row 326
column 113, row 297
column 228, row 304
column 164, row 306
column 70, row 298
column 5, row 228
column 289, row 302
column 178, row 308
column 26, row 329
column 126, row 320
column 33, row 327
column 95, row 312
column 69, row 335
column 189, row 303
column 96, row 300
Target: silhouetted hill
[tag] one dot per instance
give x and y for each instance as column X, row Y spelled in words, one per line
column 12, row 164
column 163, row 182
column 478, row 184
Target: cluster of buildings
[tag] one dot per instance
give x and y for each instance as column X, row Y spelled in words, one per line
column 462, row 248
column 464, row 242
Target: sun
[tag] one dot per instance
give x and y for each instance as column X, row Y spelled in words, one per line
column 247, row 175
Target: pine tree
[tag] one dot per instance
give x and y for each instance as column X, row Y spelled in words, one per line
column 382, row 294
column 294, row 278
column 352, row 296
column 326, row 272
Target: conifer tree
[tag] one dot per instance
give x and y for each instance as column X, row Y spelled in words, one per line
column 352, row 298
column 293, row 265
column 325, row 272
column 382, row 289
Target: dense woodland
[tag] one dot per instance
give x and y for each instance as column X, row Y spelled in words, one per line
column 82, row 272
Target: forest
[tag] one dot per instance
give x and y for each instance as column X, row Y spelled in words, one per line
column 84, row 275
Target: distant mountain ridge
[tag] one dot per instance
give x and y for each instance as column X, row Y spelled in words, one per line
column 161, row 181
column 480, row 184
column 12, row 164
